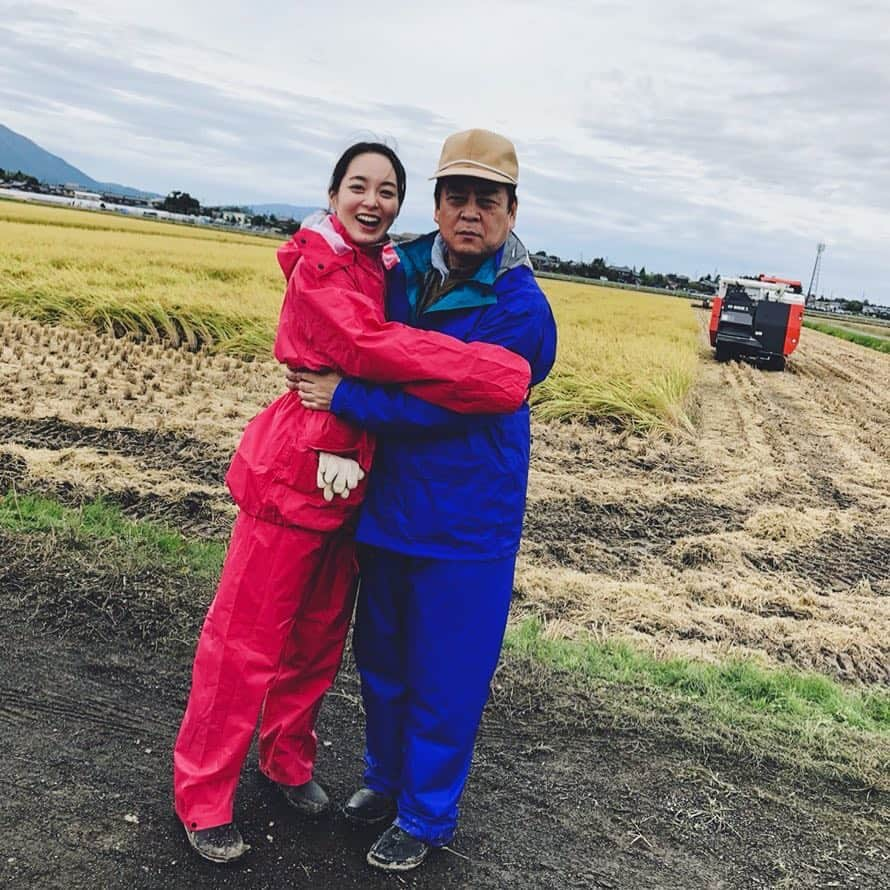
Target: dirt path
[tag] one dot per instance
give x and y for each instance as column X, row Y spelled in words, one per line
column 558, row 797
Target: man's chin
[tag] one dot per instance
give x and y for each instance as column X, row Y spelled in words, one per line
column 468, row 255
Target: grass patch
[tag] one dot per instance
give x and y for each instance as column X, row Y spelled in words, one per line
column 881, row 344
column 92, row 572
column 796, row 719
column 146, row 544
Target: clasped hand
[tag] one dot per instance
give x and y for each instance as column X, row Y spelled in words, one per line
column 316, row 390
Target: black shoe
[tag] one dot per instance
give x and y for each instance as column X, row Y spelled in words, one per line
column 396, row 850
column 367, row 807
column 222, row 844
column 309, row 798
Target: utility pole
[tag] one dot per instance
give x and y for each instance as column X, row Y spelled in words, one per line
column 817, row 268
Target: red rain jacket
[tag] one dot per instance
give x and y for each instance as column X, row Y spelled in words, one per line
column 333, row 318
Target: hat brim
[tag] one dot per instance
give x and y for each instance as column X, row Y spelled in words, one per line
column 474, row 170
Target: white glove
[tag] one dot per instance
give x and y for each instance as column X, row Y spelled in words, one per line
column 337, row 475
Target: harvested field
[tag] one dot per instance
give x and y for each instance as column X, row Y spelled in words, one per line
column 761, row 532
column 764, row 534
column 94, row 381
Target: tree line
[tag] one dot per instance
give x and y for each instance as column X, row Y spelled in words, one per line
column 29, row 182
column 599, row 269
column 183, row 202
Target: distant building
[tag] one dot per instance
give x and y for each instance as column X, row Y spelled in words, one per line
column 828, row 305
column 676, row 282
column 544, row 262
column 622, row 273
column 706, row 286
column 233, row 216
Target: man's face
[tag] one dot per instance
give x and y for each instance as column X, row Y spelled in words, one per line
column 474, row 218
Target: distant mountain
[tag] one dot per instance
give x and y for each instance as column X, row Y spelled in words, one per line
column 17, row 152
column 283, row 211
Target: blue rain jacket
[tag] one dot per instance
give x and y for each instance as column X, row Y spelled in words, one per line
column 446, row 485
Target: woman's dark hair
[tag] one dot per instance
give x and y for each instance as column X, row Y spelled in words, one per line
column 361, row 148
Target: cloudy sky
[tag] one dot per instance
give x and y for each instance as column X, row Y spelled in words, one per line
column 673, row 134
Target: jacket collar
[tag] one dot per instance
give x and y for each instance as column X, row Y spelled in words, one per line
column 330, row 229
column 510, row 255
column 334, row 234
column 485, row 274
column 428, row 251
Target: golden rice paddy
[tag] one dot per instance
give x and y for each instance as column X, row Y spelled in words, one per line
column 624, row 356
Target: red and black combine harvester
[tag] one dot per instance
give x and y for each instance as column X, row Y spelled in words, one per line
column 756, row 319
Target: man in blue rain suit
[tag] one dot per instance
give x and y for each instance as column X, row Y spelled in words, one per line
column 440, row 526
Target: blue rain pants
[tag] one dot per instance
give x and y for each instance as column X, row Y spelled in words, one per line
column 427, row 638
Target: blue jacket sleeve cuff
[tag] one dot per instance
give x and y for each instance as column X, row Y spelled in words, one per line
column 343, row 398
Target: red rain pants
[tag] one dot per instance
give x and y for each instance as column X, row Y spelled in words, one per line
column 272, row 642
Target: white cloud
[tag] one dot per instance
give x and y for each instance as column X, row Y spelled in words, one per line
column 667, row 133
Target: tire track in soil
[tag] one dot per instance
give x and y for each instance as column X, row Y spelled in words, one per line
column 834, row 562
column 811, row 434
column 98, row 709
column 791, row 437
column 798, row 441
column 854, row 404
column 159, row 450
column 833, row 363
column 13, row 470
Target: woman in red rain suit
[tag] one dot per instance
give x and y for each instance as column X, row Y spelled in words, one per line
column 273, row 637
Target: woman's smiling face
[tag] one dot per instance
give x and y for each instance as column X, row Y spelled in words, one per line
column 367, row 201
